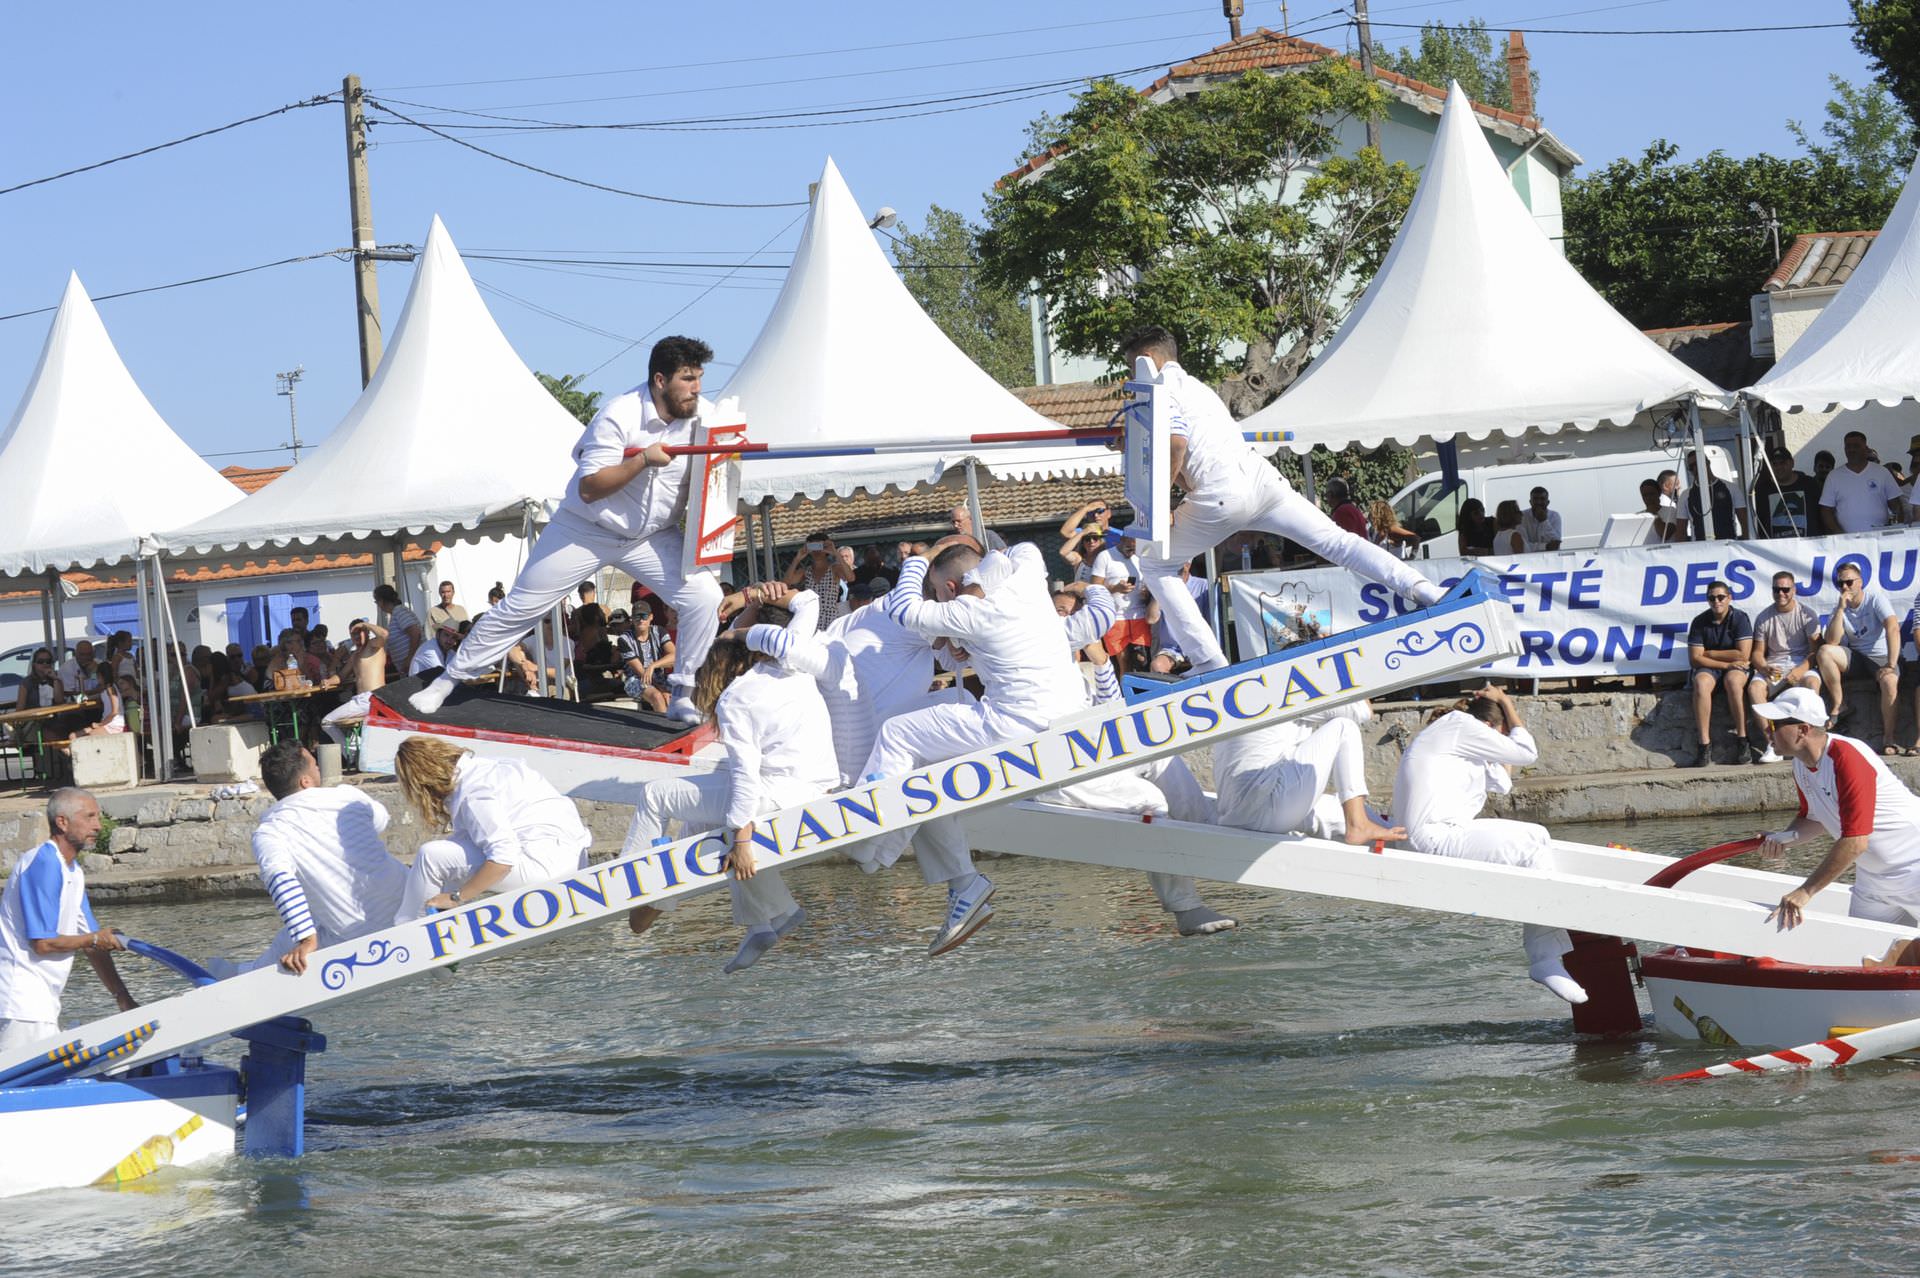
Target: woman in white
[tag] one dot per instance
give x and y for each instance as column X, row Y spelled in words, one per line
column 779, row 743
column 1443, row 783
column 504, row 826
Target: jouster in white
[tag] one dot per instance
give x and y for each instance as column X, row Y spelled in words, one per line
column 1444, row 779
column 1231, row 489
column 506, row 826
column 1846, row 791
column 620, row 509
column 1276, row 779
column 45, row 919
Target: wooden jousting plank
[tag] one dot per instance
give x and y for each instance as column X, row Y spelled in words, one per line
column 1461, row 632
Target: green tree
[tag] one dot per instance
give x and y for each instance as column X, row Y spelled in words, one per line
column 1866, row 132
column 566, row 388
column 941, row 268
column 1888, row 32
column 1461, row 51
column 1671, row 243
column 1227, row 216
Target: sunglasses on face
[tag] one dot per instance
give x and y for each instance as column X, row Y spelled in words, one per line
column 1847, row 582
column 1783, row 590
column 1718, row 598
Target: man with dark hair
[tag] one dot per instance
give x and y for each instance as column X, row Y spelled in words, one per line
column 1862, row 636
column 1785, row 638
column 322, row 859
column 624, row 507
column 1343, row 509
column 446, row 610
column 1540, row 527
column 1785, row 500
column 45, row 919
column 1728, row 517
column 1670, row 525
column 1230, row 488
column 404, row 632
column 1861, row 495
column 1719, row 648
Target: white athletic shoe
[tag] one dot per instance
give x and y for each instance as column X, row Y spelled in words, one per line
column 967, row 913
column 752, row 946
column 1554, row 976
column 1201, row 921
column 429, row 699
column 683, row 710
column 1770, row 756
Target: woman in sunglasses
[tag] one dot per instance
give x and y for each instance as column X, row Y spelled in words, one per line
column 40, row 687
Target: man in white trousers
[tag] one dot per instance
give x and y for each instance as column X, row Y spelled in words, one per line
column 1232, row 489
column 1442, row 785
column 625, row 506
column 1275, row 779
column 322, row 859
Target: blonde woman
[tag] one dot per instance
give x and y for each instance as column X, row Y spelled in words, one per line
column 1388, row 531
column 779, row 742
column 503, row 826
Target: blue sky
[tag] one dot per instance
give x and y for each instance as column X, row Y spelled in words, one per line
column 206, row 355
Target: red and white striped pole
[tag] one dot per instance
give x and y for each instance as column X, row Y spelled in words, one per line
column 1852, row 1049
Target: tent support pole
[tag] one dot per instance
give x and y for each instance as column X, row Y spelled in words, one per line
column 746, row 528
column 1216, row 596
column 46, row 619
column 1306, row 478
column 57, row 598
column 1701, row 472
column 162, row 672
column 155, row 708
column 174, row 647
column 973, row 502
column 766, row 537
column 1746, row 461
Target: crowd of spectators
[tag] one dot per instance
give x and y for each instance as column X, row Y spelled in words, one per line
column 1860, row 494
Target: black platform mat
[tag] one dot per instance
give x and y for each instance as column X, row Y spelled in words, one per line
column 479, row 707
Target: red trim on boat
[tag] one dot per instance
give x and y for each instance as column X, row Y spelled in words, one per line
column 679, row 750
column 1731, row 969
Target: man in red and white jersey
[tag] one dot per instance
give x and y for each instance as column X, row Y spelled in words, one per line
column 1848, row 792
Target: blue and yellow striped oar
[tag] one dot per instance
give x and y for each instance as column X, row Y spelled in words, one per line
column 110, row 1050
column 64, row 1052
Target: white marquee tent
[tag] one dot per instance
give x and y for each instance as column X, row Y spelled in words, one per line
column 453, row 437
column 1475, row 324
column 847, row 354
column 87, row 466
column 1865, row 344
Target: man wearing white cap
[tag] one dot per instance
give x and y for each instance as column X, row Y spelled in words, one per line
column 1846, row 791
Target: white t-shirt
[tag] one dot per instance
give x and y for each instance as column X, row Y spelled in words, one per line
column 1852, row 793
column 1538, row 533
column 1219, row 459
column 514, row 816
column 1112, row 568
column 657, row 496
column 1859, row 501
column 44, row 898
column 428, row 658
column 779, row 741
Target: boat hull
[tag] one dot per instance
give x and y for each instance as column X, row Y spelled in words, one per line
column 1727, row 1000
column 90, row 1131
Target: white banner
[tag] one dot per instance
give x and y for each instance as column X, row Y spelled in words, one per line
column 1594, row 612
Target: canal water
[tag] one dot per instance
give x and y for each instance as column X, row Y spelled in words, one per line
column 1332, row 1089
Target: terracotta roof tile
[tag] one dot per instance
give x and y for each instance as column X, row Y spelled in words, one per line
column 1073, row 404
column 1820, row 259
column 251, row 479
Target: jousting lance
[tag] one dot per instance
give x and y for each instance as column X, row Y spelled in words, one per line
column 1850, row 1049
column 877, row 447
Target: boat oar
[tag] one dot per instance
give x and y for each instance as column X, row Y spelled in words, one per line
column 64, row 1052
column 1850, row 1049
column 167, row 958
column 1686, row 865
column 110, row 1050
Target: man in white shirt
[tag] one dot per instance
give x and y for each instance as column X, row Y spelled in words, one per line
column 1540, row 528
column 45, row 920
column 1861, row 495
column 321, row 859
column 1862, row 634
column 623, row 508
column 1230, row 489
column 435, row 655
column 80, row 673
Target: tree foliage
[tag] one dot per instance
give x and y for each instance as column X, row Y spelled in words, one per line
column 1888, row 33
column 1672, row 243
column 1465, row 52
column 1866, row 132
column 1227, row 215
column 986, row 320
column 583, row 404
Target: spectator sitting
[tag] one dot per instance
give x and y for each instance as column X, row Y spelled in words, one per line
column 1861, row 495
column 119, row 660
column 1863, row 632
column 1822, row 466
column 1540, row 528
column 645, row 654
column 404, row 632
column 80, row 673
column 446, row 610
column 1387, row 530
column 1081, row 547
column 1676, row 528
column 1343, row 509
column 1719, row 646
column 495, row 594
column 1785, row 499
column 41, row 687
column 1476, row 528
column 1507, row 537
column 1653, row 504
column 435, row 654
column 963, row 524
column 316, row 664
column 817, row 566
column 594, row 662
column 1725, row 521
column 1785, row 638
column 873, row 566
column 115, row 697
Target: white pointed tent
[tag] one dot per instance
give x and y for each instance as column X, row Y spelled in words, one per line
column 1475, row 324
column 87, row 466
column 848, row 354
column 1865, row 344
column 453, row 437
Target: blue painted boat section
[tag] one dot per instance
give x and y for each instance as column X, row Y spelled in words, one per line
column 186, row 1083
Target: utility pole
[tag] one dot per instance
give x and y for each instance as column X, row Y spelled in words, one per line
column 1234, row 9
column 1366, row 65
column 1286, row 24
column 366, row 285
column 284, row 384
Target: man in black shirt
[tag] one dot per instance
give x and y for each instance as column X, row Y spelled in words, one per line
column 1787, row 501
column 1719, row 646
column 1724, row 524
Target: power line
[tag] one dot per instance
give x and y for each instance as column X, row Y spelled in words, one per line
column 204, row 133
column 198, row 279
column 1602, row 31
column 596, row 186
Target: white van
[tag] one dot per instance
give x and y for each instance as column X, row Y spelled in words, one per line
column 1585, row 491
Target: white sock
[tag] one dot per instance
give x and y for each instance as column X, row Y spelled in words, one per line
column 429, row 699
column 752, row 946
column 1553, row 974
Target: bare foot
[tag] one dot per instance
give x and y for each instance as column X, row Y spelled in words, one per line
column 1367, row 830
column 641, row 917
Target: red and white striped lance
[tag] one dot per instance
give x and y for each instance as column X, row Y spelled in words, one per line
column 1850, row 1049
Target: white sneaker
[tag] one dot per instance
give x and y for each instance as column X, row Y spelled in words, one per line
column 967, row 913
column 683, row 710
column 1201, row 921
column 752, row 946
column 1770, row 756
column 429, row 699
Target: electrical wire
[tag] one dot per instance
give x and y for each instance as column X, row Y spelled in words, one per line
column 1603, row 31
column 198, row 279
column 161, row 146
